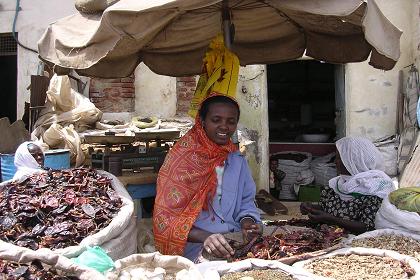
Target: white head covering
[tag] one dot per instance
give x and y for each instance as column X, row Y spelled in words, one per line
column 359, row 155
column 25, row 163
column 365, row 164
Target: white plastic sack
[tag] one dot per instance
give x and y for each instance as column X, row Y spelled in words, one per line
column 21, row 255
column 156, row 264
column 388, row 146
column 323, row 169
column 145, row 239
column 65, row 106
column 124, row 244
column 293, row 168
column 389, row 216
column 60, row 137
column 365, row 251
column 381, row 232
column 113, row 236
column 214, row 270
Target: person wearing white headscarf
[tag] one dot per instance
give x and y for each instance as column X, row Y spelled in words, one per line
column 352, row 199
column 29, row 159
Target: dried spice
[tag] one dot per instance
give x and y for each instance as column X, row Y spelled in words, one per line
column 288, row 244
column 33, row 271
column 56, row 209
column 295, row 222
column 402, row 244
column 265, row 274
column 147, row 271
column 361, row 267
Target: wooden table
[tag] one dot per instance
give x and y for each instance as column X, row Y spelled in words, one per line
column 139, row 185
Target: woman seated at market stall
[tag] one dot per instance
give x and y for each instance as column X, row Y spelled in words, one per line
column 29, row 158
column 352, row 199
column 205, row 188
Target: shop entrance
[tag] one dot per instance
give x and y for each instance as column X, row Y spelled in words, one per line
column 305, row 102
column 8, row 73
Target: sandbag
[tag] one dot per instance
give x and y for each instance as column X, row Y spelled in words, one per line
column 323, row 169
column 21, row 255
column 112, row 237
column 364, row 251
column 214, row 270
column 406, row 199
column 389, row 216
column 154, row 265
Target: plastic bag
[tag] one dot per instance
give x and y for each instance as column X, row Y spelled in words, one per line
column 96, row 258
column 389, row 216
column 388, row 146
column 324, row 169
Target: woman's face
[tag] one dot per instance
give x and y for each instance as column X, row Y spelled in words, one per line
column 220, row 122
column 341, row 168
column 37, row 153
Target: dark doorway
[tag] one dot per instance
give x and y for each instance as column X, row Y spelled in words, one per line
column 8, row 74
column 302, row 101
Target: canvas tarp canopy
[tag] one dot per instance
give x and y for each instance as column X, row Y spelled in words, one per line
column 171, row 37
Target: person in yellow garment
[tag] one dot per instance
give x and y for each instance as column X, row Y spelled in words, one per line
column 352, row 199
column 205, row 188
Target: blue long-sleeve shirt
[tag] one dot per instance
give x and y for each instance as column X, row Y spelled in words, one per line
column 237, row 201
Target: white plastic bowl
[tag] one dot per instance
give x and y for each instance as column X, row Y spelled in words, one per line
column 315, row 138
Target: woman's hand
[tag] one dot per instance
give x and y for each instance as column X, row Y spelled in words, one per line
column 307, row 207
column 217, row 245
column 250, row 229
column 319, row 216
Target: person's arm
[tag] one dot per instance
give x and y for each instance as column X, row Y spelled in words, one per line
column 248, row 207
column 323, row 217
column 213, row 243
column 248, row 217
column 305, row 207
column 197, row 235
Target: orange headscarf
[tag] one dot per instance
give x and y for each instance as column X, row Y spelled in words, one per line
column 186, row 183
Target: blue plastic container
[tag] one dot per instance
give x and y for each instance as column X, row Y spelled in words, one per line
column 8, row 168
column 55, row 159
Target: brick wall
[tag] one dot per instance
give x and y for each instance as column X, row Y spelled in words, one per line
column 185, row 87
column 113, row 95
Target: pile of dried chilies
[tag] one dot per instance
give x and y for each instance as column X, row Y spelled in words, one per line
column 277, row 246
column 33, row 271
column 56, row 209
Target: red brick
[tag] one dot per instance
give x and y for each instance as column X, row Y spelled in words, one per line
column 127, row 80
column 127, row 90
column 127, row 95
column 127, row 85
column 96, row 94
column 113, row 92
column 191, row 84
column 185, row 79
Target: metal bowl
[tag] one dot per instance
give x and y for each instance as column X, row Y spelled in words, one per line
column 315, row 138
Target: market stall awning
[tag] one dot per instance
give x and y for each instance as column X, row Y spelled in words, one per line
column 171, row 37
